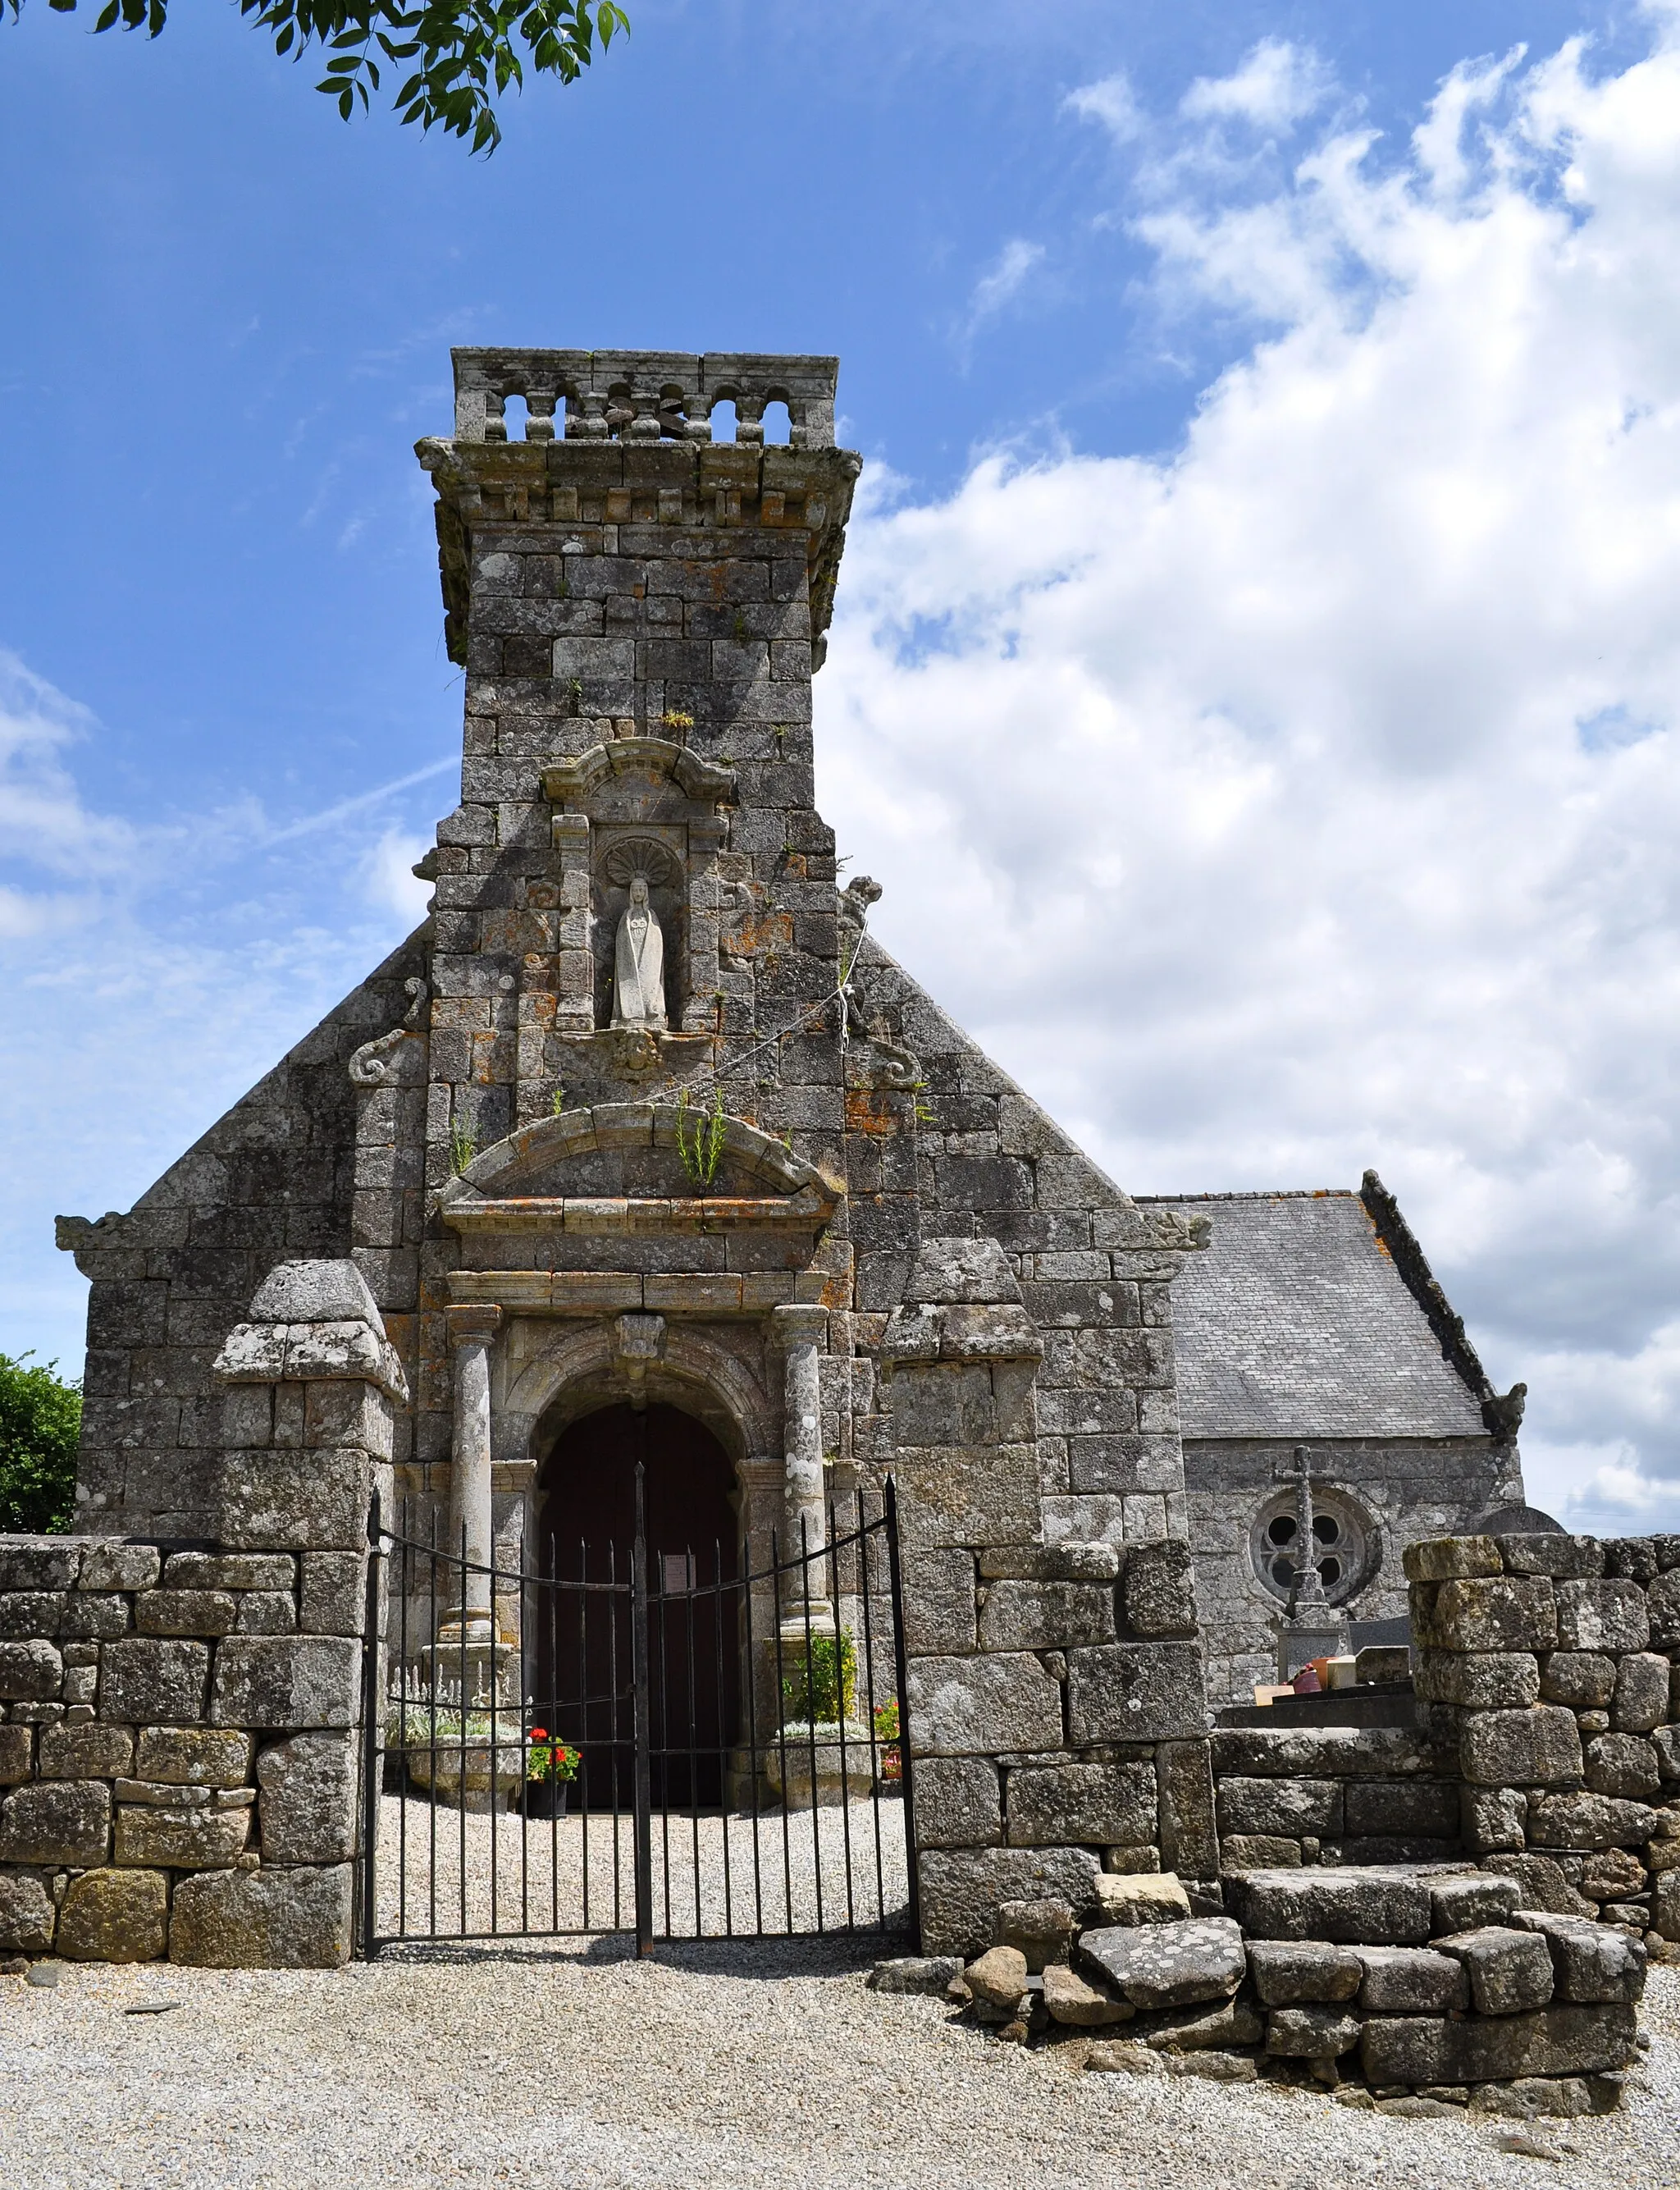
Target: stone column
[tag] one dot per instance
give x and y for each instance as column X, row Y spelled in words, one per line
column 471, row 1332
column 574, row 961
column 800, row 1333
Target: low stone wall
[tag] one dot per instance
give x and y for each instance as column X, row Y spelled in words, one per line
column 1458, row 1912
column 179, row 1726
column 1334, row 1795
column 1418, row 1989
column 1432, row 1984
column 1548, row 1663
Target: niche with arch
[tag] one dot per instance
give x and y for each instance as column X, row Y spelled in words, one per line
column 619, row 856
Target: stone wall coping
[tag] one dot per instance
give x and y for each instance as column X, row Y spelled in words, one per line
column 303, row 1352
column 316, row 1292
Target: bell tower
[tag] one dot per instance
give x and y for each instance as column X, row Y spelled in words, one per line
column 639, row 610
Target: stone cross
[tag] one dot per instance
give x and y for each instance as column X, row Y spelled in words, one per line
column 1307, row 1593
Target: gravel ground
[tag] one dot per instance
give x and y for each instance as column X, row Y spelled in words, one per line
column 572, row 1874
column 737, row 2068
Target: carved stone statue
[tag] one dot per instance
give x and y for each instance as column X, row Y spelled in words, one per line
column 639, row 963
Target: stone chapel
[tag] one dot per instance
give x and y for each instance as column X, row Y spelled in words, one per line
column 642, row 1119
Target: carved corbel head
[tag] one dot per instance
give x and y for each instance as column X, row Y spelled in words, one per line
column 638, row 1340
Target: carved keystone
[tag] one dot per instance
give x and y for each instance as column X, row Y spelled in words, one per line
column 637, row 1341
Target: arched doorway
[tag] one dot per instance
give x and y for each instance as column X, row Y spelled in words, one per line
column 586, row 1529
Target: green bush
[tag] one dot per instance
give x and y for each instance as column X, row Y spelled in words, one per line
column 40, row 1427
column 823, row 1682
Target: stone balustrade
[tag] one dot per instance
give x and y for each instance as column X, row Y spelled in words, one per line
column 641, row 395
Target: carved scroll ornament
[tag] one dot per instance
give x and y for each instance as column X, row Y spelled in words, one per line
column 369, row 1064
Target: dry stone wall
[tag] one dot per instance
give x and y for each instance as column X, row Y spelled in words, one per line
column 179, row 1723
column 1457, row 1914
column 1552, row 1664
column 1416, row 1988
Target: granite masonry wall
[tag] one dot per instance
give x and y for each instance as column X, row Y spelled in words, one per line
column 1056, row 1713
column 1551, row 1664
column 1453, row 1917
column 1334, row 1795
column 179, row 1723
column 1402, row 1490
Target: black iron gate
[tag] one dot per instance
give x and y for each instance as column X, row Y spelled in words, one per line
column 679, row 1743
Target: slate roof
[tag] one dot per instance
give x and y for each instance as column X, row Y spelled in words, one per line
column 1296, row 1322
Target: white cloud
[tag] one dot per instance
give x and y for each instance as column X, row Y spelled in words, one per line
column 62, row 851
column 1003, row 281
column 1110, row 102
column 1309, row 798
column 1438, row 142
column 1278, row 85
column 391, row 882
column 138, row 1009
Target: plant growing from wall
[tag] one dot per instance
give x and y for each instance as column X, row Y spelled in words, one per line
column 701, row 1153
column 463, row 1145
column 556, row 1102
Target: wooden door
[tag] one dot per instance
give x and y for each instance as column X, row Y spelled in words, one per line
column 586, row 1529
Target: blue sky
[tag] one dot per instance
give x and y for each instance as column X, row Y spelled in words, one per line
column 1276, row 437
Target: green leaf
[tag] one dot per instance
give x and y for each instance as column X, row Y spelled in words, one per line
column 467, row 54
